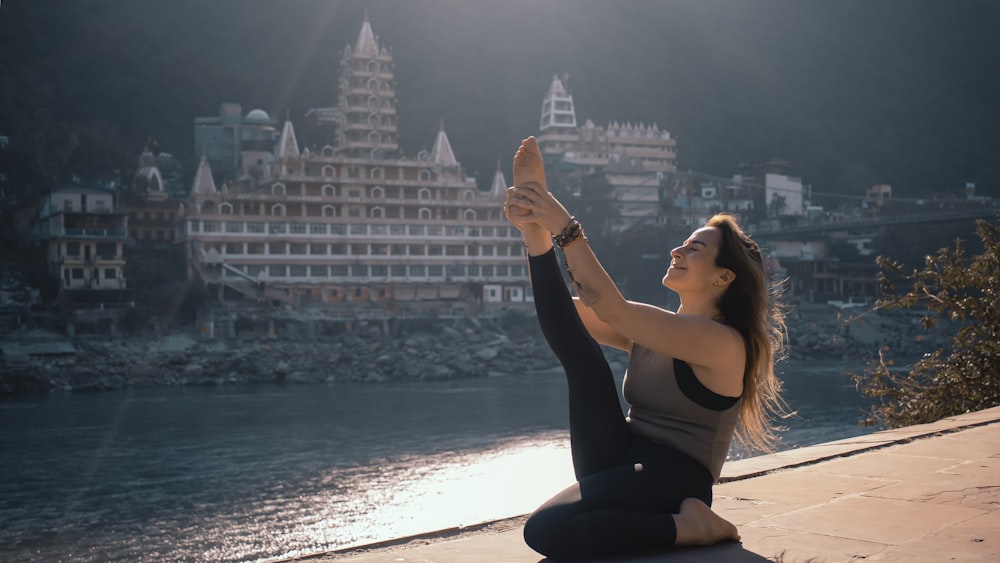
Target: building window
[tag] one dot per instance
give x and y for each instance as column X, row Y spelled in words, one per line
column 297, row 248
column 418, row 271
column 318, row 271
column 255, row 227
column 398, row 271
column 277, row 248
column 297, row 271
column 435, row 271
column 234, row 248
column 110, row 273
column 417, row 229
column 456, row 270
column 380, row 271
column 329, row 191
column 329, row 211
column 359, row 229
column 317, row 228
column 276, row 271
column 298, row 228
column 234, row 227
column 72, row 249
column 276, row 228
column 278, row 210
column 315, row 248
column 424, row 194
column 77, row 273
column 328, row 171
column 359, row 270
column 338, row 270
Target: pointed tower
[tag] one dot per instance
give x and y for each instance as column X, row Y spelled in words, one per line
column 499, row 186
column 289, row 160
column 442, row 153
column 367, row 125
column 288, row 146
column 557, row 108
column 204, row 183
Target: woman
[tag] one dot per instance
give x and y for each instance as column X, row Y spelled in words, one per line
column 645, row 481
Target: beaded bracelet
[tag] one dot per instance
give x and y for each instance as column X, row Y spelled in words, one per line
column 571, row 233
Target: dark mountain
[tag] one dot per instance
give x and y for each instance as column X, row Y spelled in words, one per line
column 851, row 92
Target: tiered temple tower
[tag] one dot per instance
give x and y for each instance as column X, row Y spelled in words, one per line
column 355, row 221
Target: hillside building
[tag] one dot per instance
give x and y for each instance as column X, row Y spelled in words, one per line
column 84, row 233
column 353, row 221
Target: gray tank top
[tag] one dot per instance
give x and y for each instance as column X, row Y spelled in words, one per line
column 660, row 410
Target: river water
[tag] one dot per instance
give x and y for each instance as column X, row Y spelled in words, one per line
column 268, row 472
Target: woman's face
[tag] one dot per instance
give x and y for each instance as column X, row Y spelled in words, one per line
column 692, row 264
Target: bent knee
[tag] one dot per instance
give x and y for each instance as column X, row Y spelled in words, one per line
column 547, row 534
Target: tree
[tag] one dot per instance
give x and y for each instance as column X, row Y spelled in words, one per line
column 957, row 287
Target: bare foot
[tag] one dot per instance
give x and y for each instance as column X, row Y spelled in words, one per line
column 529, row 168
column 698, row 525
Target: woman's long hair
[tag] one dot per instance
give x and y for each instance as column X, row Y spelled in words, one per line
column 750, row 305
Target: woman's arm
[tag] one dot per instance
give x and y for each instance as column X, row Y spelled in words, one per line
column 696, row 340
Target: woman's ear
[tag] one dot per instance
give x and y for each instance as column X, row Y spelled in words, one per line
column 727, row 276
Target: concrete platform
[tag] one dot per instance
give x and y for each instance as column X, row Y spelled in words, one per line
column 926, row 493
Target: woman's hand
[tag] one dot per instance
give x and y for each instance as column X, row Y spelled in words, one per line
column 532, row 204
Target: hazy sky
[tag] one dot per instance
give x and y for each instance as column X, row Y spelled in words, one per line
column 853, row 91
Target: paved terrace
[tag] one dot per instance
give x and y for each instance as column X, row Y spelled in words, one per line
column 926, row 493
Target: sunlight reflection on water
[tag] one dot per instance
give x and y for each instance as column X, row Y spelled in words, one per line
column 392, row 498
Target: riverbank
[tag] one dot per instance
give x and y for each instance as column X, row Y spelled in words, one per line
column 924, row 493
column 432, row 349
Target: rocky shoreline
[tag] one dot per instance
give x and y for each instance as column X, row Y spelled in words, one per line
column 429, row 350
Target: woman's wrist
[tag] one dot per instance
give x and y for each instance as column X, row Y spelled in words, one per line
column 571, row 233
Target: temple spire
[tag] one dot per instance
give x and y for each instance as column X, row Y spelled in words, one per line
column 557, row 107
column 287, row 144
column 499, row 186
column 442, row 153
column 204, row 183
column 366, row 45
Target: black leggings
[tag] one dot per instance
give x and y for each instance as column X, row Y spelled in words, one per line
column 612, row 508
